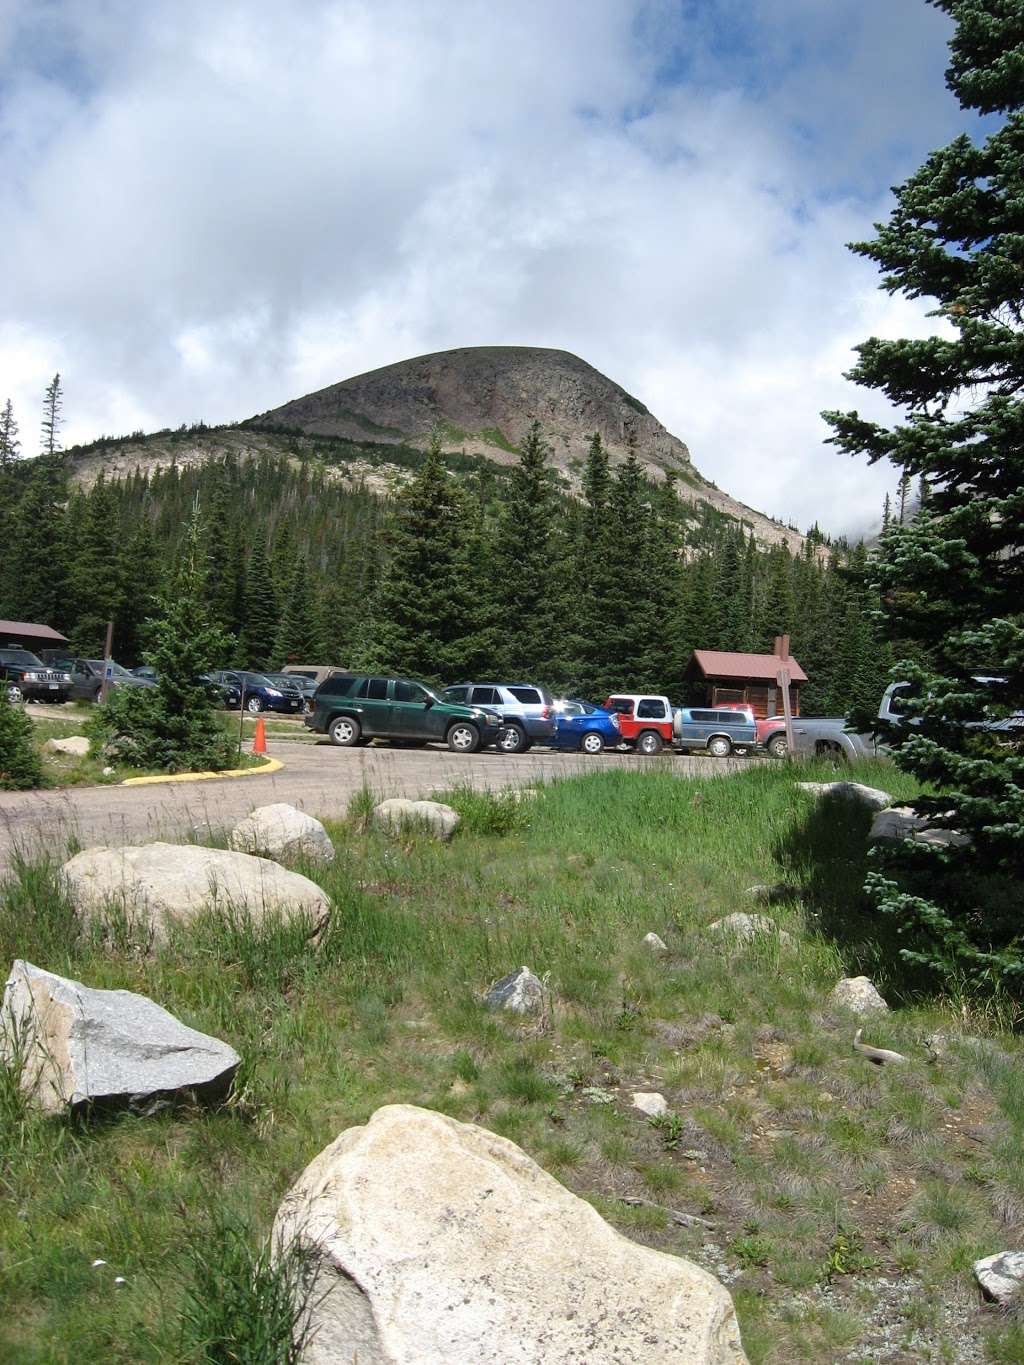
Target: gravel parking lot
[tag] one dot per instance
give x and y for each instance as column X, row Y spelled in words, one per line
column 317, row 778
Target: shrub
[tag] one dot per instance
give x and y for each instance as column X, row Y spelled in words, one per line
column 20, row 765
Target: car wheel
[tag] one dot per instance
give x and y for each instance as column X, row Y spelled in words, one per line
column 719, row 747
column 254, row 705
column 592, row 743
column 649, row 743
column 777, row 746
column 15, row 695
column 463, row 738
column 512, row 740
column 344, row 731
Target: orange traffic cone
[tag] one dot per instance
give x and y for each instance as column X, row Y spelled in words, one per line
column 259, row 743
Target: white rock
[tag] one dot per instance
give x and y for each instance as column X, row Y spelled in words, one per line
column 75, row 745
column 857, row 994
column 902, row 822
column 650, row 1102
column 1001, row 1276
column 281, row 831
column 437, row 1241
column 655, row 943
column 521, row 992
column 77, row 1046
column 108, row 772
column 873, row 797
column 154, row 883
column 399, row 814
column 744, row 928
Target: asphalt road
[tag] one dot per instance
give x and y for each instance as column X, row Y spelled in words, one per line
column 317, row 778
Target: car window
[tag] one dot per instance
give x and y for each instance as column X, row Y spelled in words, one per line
column 485, row 696
column 572, row 708
column 733, row 718
column 529, row 696
column 21, row 657
column 409, row 691
column 455, row 694
column 337, row 686
column 623, row 706
column 377, row 689
column 708, row 717
column 650, row 708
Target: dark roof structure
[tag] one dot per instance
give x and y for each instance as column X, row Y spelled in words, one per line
column 22, row 630
column 722, row 663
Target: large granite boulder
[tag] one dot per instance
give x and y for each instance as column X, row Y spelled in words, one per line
column 435, row 1240
column 520, row 993
column 1002, row 1276
column 154, row 883
column 858, row 995
column 742, row 928
column 903, row 822
column 281, row 831
column 399, row 815
column 77, row 1046
column 75, row 746
column 872, row 797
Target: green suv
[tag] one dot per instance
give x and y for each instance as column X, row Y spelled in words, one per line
column 351, row 708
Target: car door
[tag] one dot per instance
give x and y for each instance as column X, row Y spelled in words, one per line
column 374, row 707
column 84, row 686
column 412, row 711
column 694, row 729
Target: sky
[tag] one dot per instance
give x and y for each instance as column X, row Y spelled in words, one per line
column 209, row 209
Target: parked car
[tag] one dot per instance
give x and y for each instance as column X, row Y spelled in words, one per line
column 318, row 672
column 771, row 730
column 257, row 693
column 87, row 678
column 526, row 709
column 306, row 685
column 582, row 725
column 225, row 696
column 353, row 708
column 645, row 720
column 718, row 730
column 27, row 678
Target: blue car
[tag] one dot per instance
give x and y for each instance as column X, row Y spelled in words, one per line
column 258, row 693
column 579, row 725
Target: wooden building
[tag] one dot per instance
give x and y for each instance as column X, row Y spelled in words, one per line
column 29, row 635
column 714, row 676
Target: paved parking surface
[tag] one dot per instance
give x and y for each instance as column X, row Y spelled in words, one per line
column 317, row 778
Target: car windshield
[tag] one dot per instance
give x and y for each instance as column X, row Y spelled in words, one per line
column 21, row 657
column 256, row 680
column 284, row 680
column 116, row 671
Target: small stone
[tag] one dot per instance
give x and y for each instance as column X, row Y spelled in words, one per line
column 1001, row 1276
column 108, row 772
column 398, row 815
column 856, row 994
column 282, row 831
column 520, row 992
column 77, row 746
column 774, row 894
column 744, row 928
column 649, row 1102
column 872, row 797
column 655, row 944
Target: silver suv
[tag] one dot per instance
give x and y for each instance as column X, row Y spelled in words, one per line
column 526, row 710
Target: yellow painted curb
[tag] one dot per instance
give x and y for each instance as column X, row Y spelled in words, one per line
column 272, row 765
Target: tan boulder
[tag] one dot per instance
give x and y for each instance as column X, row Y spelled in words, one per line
column 435, row 1240
column 154, row 883
column 282, row 831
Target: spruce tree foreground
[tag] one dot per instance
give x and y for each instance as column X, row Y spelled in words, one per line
column 951, row 580
column 20, row 765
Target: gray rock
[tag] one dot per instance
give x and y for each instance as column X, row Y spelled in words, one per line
column 650, row 1102
column 655, row 943
column 744, row 928
column 79, row 1046
column 76, row 746
column 1001, row 1276
column 856, row 994
column 152, row 884
column 774, row 894
column 399, row 814
column 872, row 797
column 281, row 831
column 902, row 822
column 437, row 1241
column 520, row 992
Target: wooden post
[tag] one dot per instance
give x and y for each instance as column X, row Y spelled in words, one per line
column 787, row 710
column 107, row 651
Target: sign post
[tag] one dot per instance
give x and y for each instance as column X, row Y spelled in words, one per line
column 783, row 680
column 108, row 667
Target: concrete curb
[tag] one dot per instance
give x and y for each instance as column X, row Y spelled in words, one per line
column 272, row 765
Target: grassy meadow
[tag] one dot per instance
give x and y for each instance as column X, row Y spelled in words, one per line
column 844, row 1202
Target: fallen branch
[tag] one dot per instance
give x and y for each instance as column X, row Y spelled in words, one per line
column 879, row 1055
column 685, row 1220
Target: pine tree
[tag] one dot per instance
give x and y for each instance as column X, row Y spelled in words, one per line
column 9, row 443
column 20, row 765
column 38, row 589
column 261, row 611
column 94, row 580
column 952, row 580
column 53, row 403
column 139, row 575
column 298, row 636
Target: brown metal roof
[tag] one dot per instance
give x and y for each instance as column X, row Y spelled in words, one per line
column 722, row 663
column 13, row 628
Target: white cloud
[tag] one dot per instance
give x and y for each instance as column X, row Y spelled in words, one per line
column 212, row 208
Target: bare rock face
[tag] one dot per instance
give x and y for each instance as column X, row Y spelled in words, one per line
column 903, row 822
column 154, row 883
column 76, row 1046
column 398, row 814
column 435, row 1240
column 282, row 831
